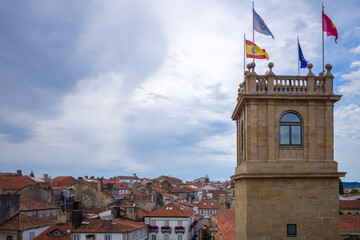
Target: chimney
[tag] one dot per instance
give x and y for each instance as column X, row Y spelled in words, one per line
column 46, row 176
column 9, row 206
column 32, row 174
column 100, row 184
column 148, row 188
column 19, row 173
column 63, row 218
column 80, row 179
column 134, row 174
column 132, row 213
column 76, row 218
column 115, row 210
column 222, row 202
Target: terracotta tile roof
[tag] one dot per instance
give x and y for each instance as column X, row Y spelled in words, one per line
column 142, row 213
column 226, row 224
column 160, row 190
column 15, row 182
column 198, row 216
column 31, row 205
column 349, row 204
column 128, row 177
column 172, row 196
column 115, row 225
column 63, row 181
column 349, row 222
column 208, row 204
column 63, row 228
column 129, row 224
column 172, row 209
column 189, row 204
column 23, row 222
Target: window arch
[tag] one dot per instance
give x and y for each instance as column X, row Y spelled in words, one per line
column 290, row 130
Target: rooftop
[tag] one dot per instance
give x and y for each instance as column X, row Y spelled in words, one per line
column 23, row 222
column 172, row 209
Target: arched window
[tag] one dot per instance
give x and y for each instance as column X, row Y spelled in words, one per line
column 290, row 129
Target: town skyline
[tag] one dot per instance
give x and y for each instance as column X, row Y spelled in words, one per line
column 104, row 89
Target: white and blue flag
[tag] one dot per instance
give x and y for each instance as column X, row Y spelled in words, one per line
column 260, row 26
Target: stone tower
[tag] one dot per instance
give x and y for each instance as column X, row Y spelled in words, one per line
column 286, row 179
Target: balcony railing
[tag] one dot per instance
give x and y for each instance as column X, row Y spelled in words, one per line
column 166, row 229
column 179, row 229
column 153, row 229
column 283, row 84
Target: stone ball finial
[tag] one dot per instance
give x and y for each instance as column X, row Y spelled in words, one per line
column 253, row 65
column 328, row 66
column 248, row 66
column 270, row 65
column 321, row 73
column 310, row 66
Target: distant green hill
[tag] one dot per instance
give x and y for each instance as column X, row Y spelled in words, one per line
column 351, row 185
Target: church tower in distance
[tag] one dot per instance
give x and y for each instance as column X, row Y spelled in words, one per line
column 286, row 179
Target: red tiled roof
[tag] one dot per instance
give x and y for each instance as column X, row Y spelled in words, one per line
column 63, row 181
column 128, row 177
column 189, row 204
column 63, row 228
column 142, row 213
column 31, row 205
column 172, row 196
column 23, row 222
column 15, row 182
column 198, row 216
column 115, row 225
column 208, row 204
column 349, row 222
column 172, row 209
column 349, row 204
column 226, row 224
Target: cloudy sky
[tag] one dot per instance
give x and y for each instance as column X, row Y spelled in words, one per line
column 109, row 88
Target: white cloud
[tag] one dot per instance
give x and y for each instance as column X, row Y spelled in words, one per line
column 346, row 122
column 355, row 50
column 355, row 64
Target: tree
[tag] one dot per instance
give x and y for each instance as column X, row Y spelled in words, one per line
column 341, row 187
column 354, row 191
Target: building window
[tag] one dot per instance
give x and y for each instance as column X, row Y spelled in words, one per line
column 76, row 237
column 31, row 235
column 54, row 212
column 291, row 230
column 9, row 237
column 107, row 237
column 47, row 213
column 152, row 222
column 40, row 213
column 153, row 237
column 290, row 129
column 179, row 223
column 166, row 223
column 30, row 214
column 242, row 135
column 179, row 237
column 166, row 237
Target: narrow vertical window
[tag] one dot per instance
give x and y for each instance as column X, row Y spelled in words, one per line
column 290, row 130
column 242, row 135
column 291, row 230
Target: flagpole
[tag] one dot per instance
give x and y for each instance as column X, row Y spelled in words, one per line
column 322, row 31
column 244, row 53
column 253, row 50
column 298, row 56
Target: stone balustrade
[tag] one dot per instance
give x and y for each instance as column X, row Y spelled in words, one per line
column 285, row 84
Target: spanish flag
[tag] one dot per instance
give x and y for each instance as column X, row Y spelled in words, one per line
column 258, row 52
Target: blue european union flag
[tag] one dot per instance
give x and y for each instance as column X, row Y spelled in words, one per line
column 303, row 62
